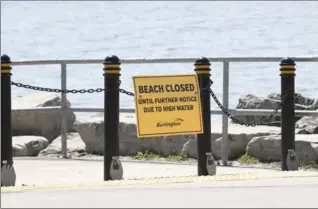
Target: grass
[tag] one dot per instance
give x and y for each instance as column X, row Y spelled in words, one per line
column 248, row 160
column 147, row 155
column 178, row 157
column 303, row 165
column 309, row 165
column 245, row 159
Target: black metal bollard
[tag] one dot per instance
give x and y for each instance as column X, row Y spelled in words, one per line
column 111, row 113
column 202, row 69
column 7, row 170
column 287, row 70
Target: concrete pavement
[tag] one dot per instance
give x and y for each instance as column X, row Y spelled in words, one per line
column 39, row 171
column 283, row 193
column 79, row 184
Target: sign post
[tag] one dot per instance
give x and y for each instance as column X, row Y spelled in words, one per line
column 167, row 105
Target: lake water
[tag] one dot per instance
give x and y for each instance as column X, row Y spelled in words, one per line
column 92, row 30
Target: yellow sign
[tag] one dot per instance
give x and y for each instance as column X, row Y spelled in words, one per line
column 167, row 105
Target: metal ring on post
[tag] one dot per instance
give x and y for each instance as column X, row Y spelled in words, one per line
column 292, row 160
column 8, row 175
column 116, row 169
column 210, row 164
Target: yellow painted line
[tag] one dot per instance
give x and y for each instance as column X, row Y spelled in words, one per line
column 198, row 72
column 287, row 72
column 202, row 67
column 111, row 66
column 5, row 65
column 5, row 71
column 287, row 66
column 111, row 71
column 169, row 180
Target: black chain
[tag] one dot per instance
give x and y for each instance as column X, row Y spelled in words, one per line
column 264, row 120
column 82, row 91
column 73, row 91
column 126, row 92
column 208, row 87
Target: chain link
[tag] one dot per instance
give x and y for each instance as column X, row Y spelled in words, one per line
column 123, row 91
column 208, row 87
column 264, row 120
column 73, row 91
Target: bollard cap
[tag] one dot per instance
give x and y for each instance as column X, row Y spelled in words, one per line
column 287, row 67
column 202, row 66
column 202, row 61
column 5, row 59
column 111, row 66
column 113, row 59
column 287, row 61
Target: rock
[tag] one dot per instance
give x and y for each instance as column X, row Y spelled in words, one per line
column 38, row 123
column 253, row 102
column 268, row 148
column 308, row 125
column 28, row 145
column 75, row 146
column 91, row 131
column 271, row 102
column 249, row 102
column 314, row 106
column 299, row 99
column 75, row 126
column 166, row 145
column 236, row 143
column 315, row 146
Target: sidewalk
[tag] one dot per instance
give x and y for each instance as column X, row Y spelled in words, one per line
column 266, row 193
column 243, row 186
column 39, row 171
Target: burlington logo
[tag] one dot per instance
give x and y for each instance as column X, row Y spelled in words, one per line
column 177, row 122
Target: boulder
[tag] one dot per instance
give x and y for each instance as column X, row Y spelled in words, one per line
column 238, row 137
column 23, row 146
column 268, row 148
column 237, row 144
column 254, row 102
column 167, row 145
column 75, row 146
column 91, row 131
column 38, row 123
column 299, row 99
column 315, row 146
column 308, row 125
column 314, row 106
column 271, row 102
